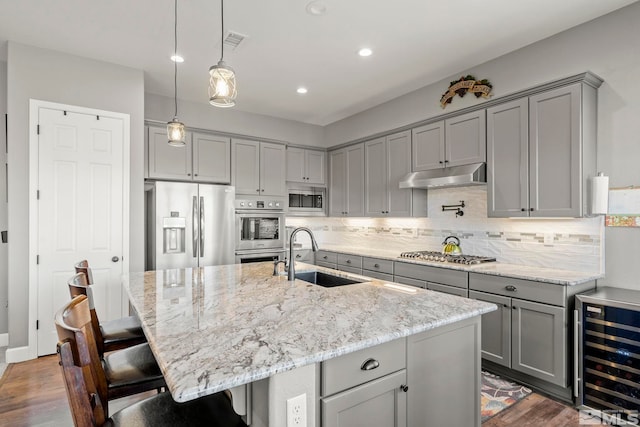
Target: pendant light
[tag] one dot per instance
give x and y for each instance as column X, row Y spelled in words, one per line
column 222, row 78
column 175, row 128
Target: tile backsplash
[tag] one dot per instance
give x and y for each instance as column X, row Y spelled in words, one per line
column 573, row 244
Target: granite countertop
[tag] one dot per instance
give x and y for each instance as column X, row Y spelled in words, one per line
column 213, row 328
column 540, row 274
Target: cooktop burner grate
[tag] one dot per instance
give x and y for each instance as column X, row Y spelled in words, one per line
column 440, row 257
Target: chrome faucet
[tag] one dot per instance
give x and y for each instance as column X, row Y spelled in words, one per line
column 292, row 261
column 275, row 266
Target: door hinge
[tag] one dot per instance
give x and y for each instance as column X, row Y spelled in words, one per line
column 37, row 259
column 38, row 194
column 37, row 324
column 38, row 129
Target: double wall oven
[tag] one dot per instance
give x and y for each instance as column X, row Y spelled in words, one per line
column 260, row 231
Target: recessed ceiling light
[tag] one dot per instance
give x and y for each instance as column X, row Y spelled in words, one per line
column 302, row 90
column 177, row 58
column 365, row 51
column 316, row 8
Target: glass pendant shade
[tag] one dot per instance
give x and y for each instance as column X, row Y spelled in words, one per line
column 222, row 85
column 176, row 133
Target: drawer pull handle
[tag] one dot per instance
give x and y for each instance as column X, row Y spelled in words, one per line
column 404, row 388
column 511, row 288
column 376, row 265
column 324, row 257
column 370, row 364
column 348, row 261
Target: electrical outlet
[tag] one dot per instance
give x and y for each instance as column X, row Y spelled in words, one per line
column 297, row 411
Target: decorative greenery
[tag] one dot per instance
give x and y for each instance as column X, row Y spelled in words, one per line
column 480, row 88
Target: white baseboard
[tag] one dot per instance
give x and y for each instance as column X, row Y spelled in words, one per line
column 18, row 354
column 4, row 340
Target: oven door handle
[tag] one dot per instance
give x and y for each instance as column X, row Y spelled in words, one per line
column 194, row 222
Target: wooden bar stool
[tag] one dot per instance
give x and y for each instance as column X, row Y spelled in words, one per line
column 85, row 382
column 113, row 334
column 129, row 370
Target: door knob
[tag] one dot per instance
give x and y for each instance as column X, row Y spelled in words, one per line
column 115, row 259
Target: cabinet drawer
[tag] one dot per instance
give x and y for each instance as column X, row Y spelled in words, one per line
column 346, row 268
column 432, row 274
column 451, row 290
column 326, row 264
column 408, row 281
column 380, row 265
column 350, row 260
column 324, row 256
column 348, row 371
column 380, row 276
column 519, row 288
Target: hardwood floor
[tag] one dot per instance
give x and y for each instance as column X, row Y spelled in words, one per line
column 32, row 394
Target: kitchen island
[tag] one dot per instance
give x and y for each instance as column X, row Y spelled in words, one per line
column 215, row 328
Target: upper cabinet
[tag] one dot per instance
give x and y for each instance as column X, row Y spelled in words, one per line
column 387, row 161
column 204, row 158
column 259, row 168
column 456, row 141
column 346, row 185
column 306, row 166
column 541, row 152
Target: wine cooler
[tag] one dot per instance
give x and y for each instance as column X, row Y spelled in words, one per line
column 607, row 334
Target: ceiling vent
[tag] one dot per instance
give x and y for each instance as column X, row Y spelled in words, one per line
column 232, row 40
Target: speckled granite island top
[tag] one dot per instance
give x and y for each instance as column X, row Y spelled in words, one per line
column 213, row 328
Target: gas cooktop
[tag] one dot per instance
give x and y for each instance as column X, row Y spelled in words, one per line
column 440, row 257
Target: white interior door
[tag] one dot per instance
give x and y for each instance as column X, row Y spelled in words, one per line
column 80, row 212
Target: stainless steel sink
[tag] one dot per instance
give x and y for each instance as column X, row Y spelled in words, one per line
column 324, row 279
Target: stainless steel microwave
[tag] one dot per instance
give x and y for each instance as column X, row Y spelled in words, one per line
column 307, row 202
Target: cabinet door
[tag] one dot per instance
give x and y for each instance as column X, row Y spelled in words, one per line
column 337, row 182
column 375, row 154
column 539, row 337
column 211, row 158
column 378, row 403
column 272, row 169
column 295, row 164
column 554, row 152
column 496, row 329
column 508, row 159
column 465, row 139
column 398, row 165
column 315, row 165
column 246, row 166
column 355, row 180
column 428, row 147
column 165, row 161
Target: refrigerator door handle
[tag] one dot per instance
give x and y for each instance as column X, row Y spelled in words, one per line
column 194, row 221
column 576, row 352
column 201, row 226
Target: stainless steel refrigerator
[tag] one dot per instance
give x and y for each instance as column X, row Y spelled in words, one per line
column 189, row 225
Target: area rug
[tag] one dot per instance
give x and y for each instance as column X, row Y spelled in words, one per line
column 498, row 394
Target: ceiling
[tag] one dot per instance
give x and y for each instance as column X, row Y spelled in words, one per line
column 414, row 43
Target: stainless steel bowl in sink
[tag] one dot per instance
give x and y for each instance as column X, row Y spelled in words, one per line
column 324, row 279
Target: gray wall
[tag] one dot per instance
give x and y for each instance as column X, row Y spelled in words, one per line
column 58, row 77
column 205, row 116
column 4, row 327
column 609, row 47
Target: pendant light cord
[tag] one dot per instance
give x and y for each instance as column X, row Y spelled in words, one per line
column 175, row 54
column 222, row 30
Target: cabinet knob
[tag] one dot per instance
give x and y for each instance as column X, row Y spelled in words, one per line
column 258, row 190
column 514, row 307
column 446, row 161
column 531, row 209
column 505, row 305
column 188, row 174
column 369, row 364
column 441, row 162
column 348, row 261
column 195, row 174
column 262, row 190
column 325, row 257
column 511, row 288
column 298, row 256
column 523, row 209
column 404, row 388
column 376, row 265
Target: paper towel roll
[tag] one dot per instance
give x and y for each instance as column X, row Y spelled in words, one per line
column 600, row 195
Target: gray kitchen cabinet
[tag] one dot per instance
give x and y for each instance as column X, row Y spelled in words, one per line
column 435, row 398
column 205, row 157
column 381, row 269
column 446, row 289
column 259, row 168
column 496, row 328
column 346, row 186
column 327, row 259
column 306, row 166
column 211, row 158
column 456, row 141
column 541, row 152
column 454, row 282
column 387, row 161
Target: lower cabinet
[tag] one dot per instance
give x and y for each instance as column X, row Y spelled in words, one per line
column 378, row 403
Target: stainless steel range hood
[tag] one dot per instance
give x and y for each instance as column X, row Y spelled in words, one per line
column 456, row 176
